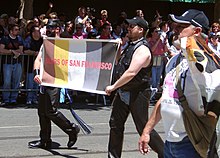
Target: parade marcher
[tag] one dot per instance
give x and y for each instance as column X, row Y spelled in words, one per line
column 131, row 84
column 49, row 98
column 189, row 26
column 47, row 112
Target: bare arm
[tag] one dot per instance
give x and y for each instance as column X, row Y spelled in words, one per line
column 37, row 63
column 3, row 50
column 30, row 52
column 145, row 137
column 49, row 9
column 141, row 58
column 18, row 52
column 7, row 51
column 153, row 48
column 84, row 19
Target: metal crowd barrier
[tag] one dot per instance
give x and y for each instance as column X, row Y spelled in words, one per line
column 25, row 69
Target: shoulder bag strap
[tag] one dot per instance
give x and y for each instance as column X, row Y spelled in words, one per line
column 208, row 51
column 182, row 97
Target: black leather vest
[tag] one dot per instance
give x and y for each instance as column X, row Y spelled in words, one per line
column 141, row 80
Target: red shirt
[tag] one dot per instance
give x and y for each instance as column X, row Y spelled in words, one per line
column 105, row 37
column 103, row 22
column 159, row 49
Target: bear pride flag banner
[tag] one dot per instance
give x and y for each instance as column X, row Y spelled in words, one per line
column 84, row 65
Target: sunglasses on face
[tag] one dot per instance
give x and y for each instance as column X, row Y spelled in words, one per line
column 182, row 26
column 17, row 29
column 131, row 26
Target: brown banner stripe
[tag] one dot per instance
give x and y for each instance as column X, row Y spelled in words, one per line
column 49, row 71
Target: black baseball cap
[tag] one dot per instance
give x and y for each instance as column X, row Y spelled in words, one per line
column 138, row 21
column 192, row 16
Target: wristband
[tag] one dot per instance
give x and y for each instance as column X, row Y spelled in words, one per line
column 36, row 72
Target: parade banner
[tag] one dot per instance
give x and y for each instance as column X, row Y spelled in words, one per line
column 85, row 65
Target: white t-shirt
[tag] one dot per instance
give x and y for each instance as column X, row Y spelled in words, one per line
column 215, row 49
column 171, row 110
column 78, row 20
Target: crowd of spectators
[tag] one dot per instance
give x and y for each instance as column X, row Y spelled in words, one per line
column 21, row 39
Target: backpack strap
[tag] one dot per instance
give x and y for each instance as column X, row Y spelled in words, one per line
column 208, row 51
column 182, row 97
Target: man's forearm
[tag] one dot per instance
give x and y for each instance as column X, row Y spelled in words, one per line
column 84, row 20
column 125, row 78
column 36, row 64
column 154, row 118
column 37, row 61
column 6, row 51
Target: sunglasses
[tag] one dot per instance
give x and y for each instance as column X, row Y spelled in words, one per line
column 182, row 26
column 131, row 26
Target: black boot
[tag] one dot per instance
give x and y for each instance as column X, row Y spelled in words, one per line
column 41, row 144
column 73, row 135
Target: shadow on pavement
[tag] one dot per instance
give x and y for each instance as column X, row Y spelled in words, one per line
column 56, row 146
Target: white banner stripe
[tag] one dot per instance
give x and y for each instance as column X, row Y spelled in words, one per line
column 77, row 52
column 94, row 53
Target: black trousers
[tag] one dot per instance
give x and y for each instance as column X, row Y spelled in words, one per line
column 47, row 112
column 139, row 103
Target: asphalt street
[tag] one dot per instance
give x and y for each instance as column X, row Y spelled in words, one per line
column 19, row 125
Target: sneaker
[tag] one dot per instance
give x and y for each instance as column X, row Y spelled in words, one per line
column 28, row 103
column 40, row 144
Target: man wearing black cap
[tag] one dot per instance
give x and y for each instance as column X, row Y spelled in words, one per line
column 189, row 27
column 132, row 81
